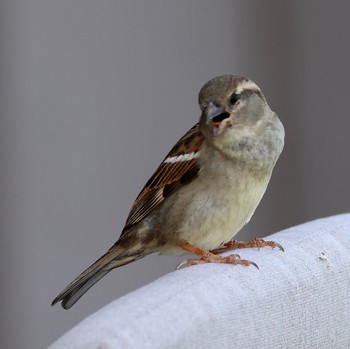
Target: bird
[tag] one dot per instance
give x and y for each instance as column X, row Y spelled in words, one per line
column 205, row 190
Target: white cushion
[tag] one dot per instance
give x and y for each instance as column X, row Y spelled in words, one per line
column 297, row 299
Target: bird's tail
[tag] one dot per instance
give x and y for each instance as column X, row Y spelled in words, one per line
column 114, row 258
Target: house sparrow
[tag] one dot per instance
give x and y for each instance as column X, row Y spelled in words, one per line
column 205, row 190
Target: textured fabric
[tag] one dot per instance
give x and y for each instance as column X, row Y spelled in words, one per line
column 298, row 299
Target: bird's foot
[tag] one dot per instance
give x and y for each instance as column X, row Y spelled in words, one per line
column 255, row 243
column 208, row 257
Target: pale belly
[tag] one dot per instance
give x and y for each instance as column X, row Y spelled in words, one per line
column 217, row 219
column 213, row 217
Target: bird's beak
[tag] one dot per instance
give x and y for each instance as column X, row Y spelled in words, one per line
column 211, row 111
column 214, row 117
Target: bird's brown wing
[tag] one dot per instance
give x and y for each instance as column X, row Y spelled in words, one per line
column 178, row 168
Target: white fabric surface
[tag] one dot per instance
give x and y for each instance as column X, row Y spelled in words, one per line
column 298, row 299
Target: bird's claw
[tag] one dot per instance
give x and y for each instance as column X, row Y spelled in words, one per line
column 234, row 259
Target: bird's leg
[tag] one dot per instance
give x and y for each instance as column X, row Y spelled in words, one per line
column 255, row 243
column 209, row 257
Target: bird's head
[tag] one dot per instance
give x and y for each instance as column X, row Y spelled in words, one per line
column 233, row 107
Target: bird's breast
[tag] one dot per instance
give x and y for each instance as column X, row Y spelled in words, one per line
column 220, row 207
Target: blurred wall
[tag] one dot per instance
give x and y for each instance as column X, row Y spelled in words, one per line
column 94, row 94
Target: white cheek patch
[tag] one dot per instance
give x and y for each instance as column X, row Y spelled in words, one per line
column 246, row 85
column 181, row 158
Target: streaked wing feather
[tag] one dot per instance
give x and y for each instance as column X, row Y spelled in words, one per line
column 178, row 168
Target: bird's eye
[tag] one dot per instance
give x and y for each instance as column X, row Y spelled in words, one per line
column 234, row 98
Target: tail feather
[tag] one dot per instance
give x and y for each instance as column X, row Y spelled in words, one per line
column 73, row 295
column 114, row 258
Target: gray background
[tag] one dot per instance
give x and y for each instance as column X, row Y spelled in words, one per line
column 93, row 95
